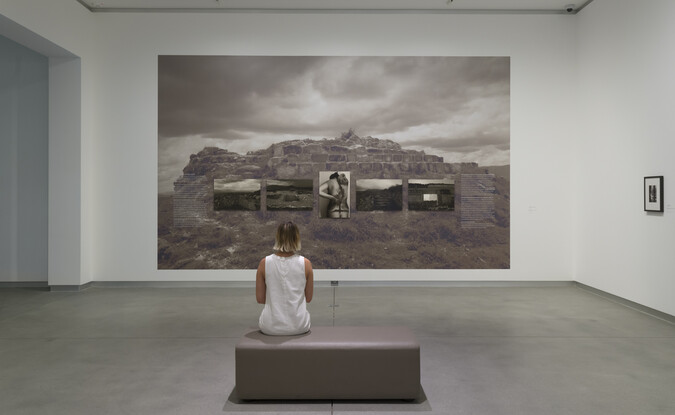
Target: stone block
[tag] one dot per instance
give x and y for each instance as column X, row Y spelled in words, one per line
column 307, row 169
column 319, row 158
column 275, row 161
column 390, row 170
column 313, row 149
column 337, row 157
column 248, row 169
column 292, row 149
column 286, row 170
column 336, row 166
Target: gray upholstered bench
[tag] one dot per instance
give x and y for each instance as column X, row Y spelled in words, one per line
column 329, row 363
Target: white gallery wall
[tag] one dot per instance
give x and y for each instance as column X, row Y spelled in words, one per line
column 63, row 32
column 119, row 119
column 23, row 163
column 627, row 103
column 541, row 140
column 118, row 152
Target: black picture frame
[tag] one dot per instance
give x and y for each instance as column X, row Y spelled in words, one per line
column 653, row 194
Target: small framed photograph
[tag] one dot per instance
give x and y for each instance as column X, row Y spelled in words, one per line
column 236, row 194
column 653, row 194
column 334, row 194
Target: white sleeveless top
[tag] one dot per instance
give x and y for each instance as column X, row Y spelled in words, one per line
column 285, row 311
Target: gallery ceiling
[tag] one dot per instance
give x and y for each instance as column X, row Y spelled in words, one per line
column 340, row 6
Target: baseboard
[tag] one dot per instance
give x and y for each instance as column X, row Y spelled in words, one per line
column 251, row 284
column 627, row 303
column 173, row 284
column 455, row 284
column 69, row 288
column 185, row 284
column 24, row 284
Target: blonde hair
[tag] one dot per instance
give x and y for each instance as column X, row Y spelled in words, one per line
column 287, row 238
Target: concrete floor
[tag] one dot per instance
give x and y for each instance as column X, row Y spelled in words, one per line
column 485, row 351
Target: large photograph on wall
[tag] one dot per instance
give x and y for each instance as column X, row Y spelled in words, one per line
column 411, row 154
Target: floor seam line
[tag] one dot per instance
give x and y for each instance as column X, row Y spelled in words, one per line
column 545, row 337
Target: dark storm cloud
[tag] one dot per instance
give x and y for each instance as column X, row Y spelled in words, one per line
column 219, row 95
column 434, row 90
column 222, row 97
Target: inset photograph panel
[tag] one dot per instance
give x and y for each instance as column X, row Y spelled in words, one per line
column 290, row 194
column 236, row 195
column 431, row 194
column 379, row 194
column 334, row 198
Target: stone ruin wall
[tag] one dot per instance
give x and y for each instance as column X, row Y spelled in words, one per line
column 305, row 159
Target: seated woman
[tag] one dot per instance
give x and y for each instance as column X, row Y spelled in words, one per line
column 285, row 284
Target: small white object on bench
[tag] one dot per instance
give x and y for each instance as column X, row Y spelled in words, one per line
column 329, row 363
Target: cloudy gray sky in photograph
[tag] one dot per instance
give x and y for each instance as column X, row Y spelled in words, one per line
column 454, row 107
column 431, row 181
column 288, row 183
column 245, row 185
column 377, row 184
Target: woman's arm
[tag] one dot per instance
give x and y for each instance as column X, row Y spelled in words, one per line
column 323, row 191
column 309, row 285
column 260, row 286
